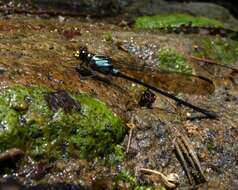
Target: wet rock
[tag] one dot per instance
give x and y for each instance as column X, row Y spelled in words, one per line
column 48, row 134
column 58, row 186
column 9, row 158
column 195, row 8
column 38, row 47
column 11, row 183
column 150, row 141
column 80, row 7
column 38, row 172
column 231, row 4
column 71, row 33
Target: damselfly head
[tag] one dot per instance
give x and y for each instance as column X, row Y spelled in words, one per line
column 82, row 53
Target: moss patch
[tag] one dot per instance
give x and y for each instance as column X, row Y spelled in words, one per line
column 221, row 50
column 117, row 157
column 125, row 177
column 172, row 61
column 27, row 122
column 174, row 20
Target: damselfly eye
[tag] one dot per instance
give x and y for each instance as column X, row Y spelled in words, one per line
column 83, row 53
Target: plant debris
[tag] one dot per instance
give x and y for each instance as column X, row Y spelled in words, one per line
column 189, row 159
column 147, row 99
column 61, row 99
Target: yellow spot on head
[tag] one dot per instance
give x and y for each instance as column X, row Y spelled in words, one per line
column 76, row 54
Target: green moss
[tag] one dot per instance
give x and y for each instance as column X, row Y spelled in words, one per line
column 116, row 157
column 221, row 50
column 28, row 123
column 126, row 176
column 131, row 180
column 211, row 147
column 109, row 37
column 144, row 188
column 172, row 61
column 174, row 20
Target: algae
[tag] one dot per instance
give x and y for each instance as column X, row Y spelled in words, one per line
column 28, row 123
column 221, row 50
column 174, row 20
column 170, row 60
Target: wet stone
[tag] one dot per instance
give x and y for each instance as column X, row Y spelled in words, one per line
column 9, row 158
column 142, row 134
column 160, row 131
column 163, row 156
column 11, row 183
column 151, row 141
column 61, row 99
column 144, row 143
column 47, row 135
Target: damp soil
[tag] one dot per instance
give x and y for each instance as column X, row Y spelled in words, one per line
column 36, row 51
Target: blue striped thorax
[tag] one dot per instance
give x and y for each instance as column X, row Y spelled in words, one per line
column 100, row 63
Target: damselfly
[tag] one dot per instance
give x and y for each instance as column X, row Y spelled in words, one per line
column 146, row 77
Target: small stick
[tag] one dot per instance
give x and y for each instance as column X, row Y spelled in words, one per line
column 202, row 59
column 193, row 154
column 186, row 153
column 162, row 176
column 131, row 126
column 129, row 141
column 194, row 58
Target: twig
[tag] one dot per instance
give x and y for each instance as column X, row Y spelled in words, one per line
column 131, row 126
column 184, row 163
column 194, row 58
column 129, row 141
column 193, row 154
column 164, row 178
column 186, row 153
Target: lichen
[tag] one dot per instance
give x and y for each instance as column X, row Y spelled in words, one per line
column 172, row 61
column 174, row 20
column 28, row 123
column 221, row 50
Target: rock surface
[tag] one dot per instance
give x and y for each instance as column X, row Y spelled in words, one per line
column 38, row 52
column 128, row 8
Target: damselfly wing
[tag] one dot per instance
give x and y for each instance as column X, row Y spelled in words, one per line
column 169, row 81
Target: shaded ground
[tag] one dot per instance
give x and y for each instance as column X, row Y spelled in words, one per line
column 37, row 51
